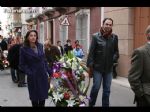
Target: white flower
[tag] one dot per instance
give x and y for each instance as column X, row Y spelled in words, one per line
column 51, row 86
column 82, row 105
column 64, row 65
column 71, row 103
column 81, row 97
column 57, row 96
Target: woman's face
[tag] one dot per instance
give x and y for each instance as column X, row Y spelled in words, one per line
column 32, row 37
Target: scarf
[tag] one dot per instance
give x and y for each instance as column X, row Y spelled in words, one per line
column 106, row 32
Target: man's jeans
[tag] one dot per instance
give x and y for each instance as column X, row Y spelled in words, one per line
column 97, row 80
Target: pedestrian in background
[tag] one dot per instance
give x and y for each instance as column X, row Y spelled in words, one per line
column 1, row 59
column 139, row 73
column 33, row 63
column 100, row 60
column 13, row 58
column 78, row 52
column 3, row 43
column 60, row 48
column 68, row 47
column 51, row 52
column 77, row 43
column 13, row 61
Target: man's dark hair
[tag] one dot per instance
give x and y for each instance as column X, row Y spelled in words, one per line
column 58, row 41
column 107, row 19
column 68, row 40
column 26, row 41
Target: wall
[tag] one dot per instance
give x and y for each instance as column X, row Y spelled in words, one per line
column 124, row 27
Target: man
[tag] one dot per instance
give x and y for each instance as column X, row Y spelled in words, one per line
column 139, row 74
column 103, row 52
column 68, row 47
column 60, row 48
column 51, row 52
column 13, row 58
column 3, row 43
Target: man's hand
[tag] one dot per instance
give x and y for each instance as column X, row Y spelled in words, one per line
column 90, row 72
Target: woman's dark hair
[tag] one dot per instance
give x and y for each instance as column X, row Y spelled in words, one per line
column 107, row 19
column 26, row 40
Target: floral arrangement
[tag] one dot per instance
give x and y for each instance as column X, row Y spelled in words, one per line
column 70, row 82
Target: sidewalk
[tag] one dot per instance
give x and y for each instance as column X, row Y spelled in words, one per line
column 123, row 81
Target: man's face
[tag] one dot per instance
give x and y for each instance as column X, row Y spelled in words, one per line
column 108, row 24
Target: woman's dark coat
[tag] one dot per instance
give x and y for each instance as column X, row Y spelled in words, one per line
column 36, row 68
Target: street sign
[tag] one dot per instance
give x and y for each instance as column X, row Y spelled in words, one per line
column 65, row 22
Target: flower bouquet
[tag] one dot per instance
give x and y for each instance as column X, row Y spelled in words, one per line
column 69, row 82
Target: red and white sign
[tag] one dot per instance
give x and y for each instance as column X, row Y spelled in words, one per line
column 65, row 21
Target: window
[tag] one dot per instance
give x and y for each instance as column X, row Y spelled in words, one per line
column 63, row 34
column 34, row 27
column 82, row 28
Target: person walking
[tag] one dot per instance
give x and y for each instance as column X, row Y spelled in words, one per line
column 33, row 63
column 11, row 57
column 100, row 59
column 139, row 73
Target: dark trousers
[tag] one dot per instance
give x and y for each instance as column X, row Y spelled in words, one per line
column 142, row 101
column 14, row 75
column 21, row 77
column 38, row 103
column 1, row 65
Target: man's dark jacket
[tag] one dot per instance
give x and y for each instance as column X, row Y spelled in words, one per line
column 13, row 56
column 103, row 52
column 139, row 73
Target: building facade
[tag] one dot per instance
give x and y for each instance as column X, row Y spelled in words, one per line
column 79, row 23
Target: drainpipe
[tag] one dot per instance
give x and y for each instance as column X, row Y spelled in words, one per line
column 102, row 15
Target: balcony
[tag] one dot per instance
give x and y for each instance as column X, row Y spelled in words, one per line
column 49, row 12
column 61, row 10
column 16, row 24
column 40, row 17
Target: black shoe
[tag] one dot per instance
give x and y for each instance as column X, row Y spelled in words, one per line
column 115, row 77
column 22, row 85
column 15, row 81
column 25, row 83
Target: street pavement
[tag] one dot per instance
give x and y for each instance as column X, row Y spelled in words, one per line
column 14, row 96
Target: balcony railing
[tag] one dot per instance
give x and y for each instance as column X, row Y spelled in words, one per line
column 16, row 24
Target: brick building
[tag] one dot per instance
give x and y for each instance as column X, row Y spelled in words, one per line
column 62, row 23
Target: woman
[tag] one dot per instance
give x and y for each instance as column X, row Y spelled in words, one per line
column 32, row 62
column 78, row 52
column 51, row 52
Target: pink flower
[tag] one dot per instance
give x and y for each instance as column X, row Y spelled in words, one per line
column 56, row 75
column 66, row 96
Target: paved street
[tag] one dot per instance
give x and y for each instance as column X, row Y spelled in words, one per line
column 11, row 95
